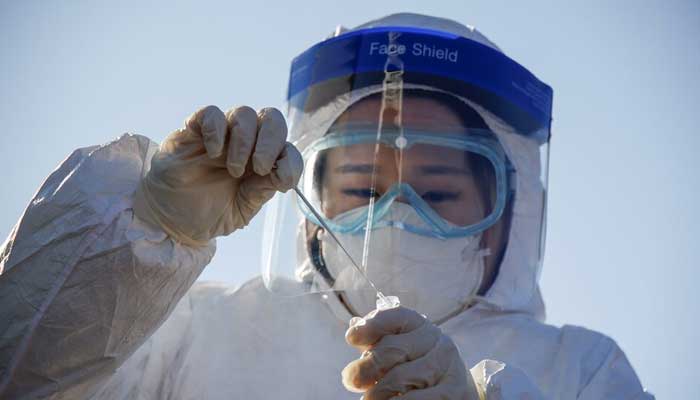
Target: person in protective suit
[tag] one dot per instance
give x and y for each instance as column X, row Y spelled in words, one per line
column 423, row 150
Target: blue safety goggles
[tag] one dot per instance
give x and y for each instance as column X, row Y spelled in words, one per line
column 479, row 148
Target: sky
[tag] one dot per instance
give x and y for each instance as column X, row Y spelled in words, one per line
column 623, row 224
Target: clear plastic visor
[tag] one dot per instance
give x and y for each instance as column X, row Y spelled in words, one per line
column 412, row 142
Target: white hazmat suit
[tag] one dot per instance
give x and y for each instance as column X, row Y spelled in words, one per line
column 96, row 303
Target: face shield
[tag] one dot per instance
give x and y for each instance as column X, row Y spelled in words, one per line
column 412, row 141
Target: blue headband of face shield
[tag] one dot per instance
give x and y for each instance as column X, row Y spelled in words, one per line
column 432, row 224
column 432, row 58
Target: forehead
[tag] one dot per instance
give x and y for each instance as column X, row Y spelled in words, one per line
column 416, row 112
column 365, row 153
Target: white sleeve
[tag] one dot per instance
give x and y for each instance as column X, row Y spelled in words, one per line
column 605, row 374
column 157, row 369
column 609, row 375
column 83, row 283
column 495, row 380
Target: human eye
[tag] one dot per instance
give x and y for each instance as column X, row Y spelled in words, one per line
column 363, row 193
column 440, row 196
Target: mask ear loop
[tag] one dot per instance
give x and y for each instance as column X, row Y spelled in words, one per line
column 315, row 253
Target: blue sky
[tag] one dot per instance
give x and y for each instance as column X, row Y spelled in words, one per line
column 623, row 222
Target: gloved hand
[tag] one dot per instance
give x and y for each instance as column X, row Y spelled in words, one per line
column 405, row 355
column 211, row 177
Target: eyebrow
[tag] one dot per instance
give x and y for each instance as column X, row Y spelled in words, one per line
column 356, row 169
column 425, row 169
column 442, row 170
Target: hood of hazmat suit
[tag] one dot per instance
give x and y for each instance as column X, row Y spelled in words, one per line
column 96, row 303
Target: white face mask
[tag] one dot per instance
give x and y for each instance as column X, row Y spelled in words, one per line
column 436, row 277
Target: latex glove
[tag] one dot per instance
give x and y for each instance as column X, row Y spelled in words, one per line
column 406, row 355
column 211, row 177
